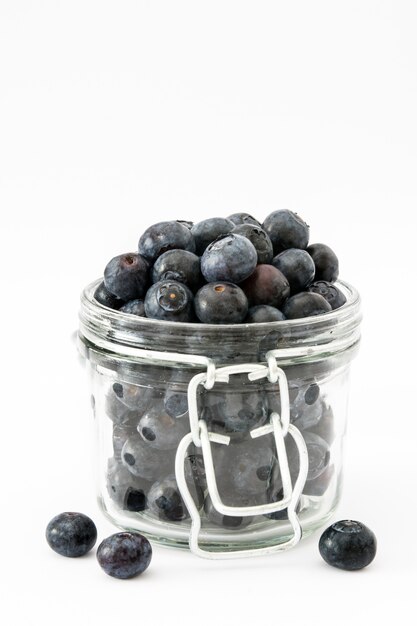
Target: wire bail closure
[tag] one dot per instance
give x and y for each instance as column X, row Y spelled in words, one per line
column 279, row 426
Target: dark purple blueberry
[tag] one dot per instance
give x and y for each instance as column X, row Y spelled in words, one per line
column 286, row 230
column 179, row 265
column 266, row 285
column 126, row 276
column 104, row 297
column 206, row 231
column 71, row 534
column 348, row 545
column 124, row 555
column 144, row 461
column 264, row 313
column 134, row 397
column 161, row 431
column 169, row 300
column 318, row 486
column 127, row 491
column 164, row 236
column 134, row 307
column 231, row 258
column 176, row 402
column 243, row 218
column 326, row 262
column 297, row 267
column 259, row 239
column 220, row 303
column 244, row 468
column 228, row 522
column 318, row 454
column 305, row 304
column 233, row 412
column 166, row 503
column 330, row 292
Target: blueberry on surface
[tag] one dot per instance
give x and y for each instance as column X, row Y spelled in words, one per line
column 348, row 545
column 228, row 522
column 286, row 230
column 231, row 258
column 144, row 461
column 266, row 285
column 169, row 300
column 220, row 303
column 264, row 313
column 297, row 267
column 206, row 231
column 330, row 292
column 243, row 218
column 325, row 261
column 305, row 304
column 71, row 534
column 124, row 555
column 104, row 297
column 161, row 431
column 259, row 239
column 134, row 307
column 179, row 265
column 164, row 236
column 126, row 276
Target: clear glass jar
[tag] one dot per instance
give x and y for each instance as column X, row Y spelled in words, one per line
column 140, row 374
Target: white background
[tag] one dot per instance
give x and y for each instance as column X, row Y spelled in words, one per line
column 114, row 115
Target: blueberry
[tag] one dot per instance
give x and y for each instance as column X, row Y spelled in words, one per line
column 305, row 304
column 104, row 297
column 244, row 468
column 266, row 285
column 179, row 265
column 126, row 276
column 325, row 427
column 144, row 461
column 318, row 454
column 306, row 415
column 164, row 236
column 206, row 231
column 176, row 402
column 169, row 300
column 330, row 292
column 286, row 230
column 134, row 397
column 318, row 486
column 243, row 218
column 127, row 491
column 231, row 258
column 221, row 303
column 166, row 503
column 121, row 434
column 161, row 431
column 233, row 412
column 71, row 534
column 297, row 267
column 134, row 307
column 276, row 495
column 124, row 555
column 228, row 522
column 326, row 262
column 312, row 394
column 119, row 413
column 348, row 545
column 264, row 313
column 260, row 240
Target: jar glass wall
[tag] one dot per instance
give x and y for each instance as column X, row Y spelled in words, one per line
column 140, row 372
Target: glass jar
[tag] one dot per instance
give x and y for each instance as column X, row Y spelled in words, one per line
column 262, row 464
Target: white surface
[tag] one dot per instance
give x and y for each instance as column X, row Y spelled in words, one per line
column 114, row 115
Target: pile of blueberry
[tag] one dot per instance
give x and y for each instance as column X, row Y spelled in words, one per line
column 224, row 271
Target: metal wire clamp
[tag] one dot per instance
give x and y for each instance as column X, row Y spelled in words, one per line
column 279, row 426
